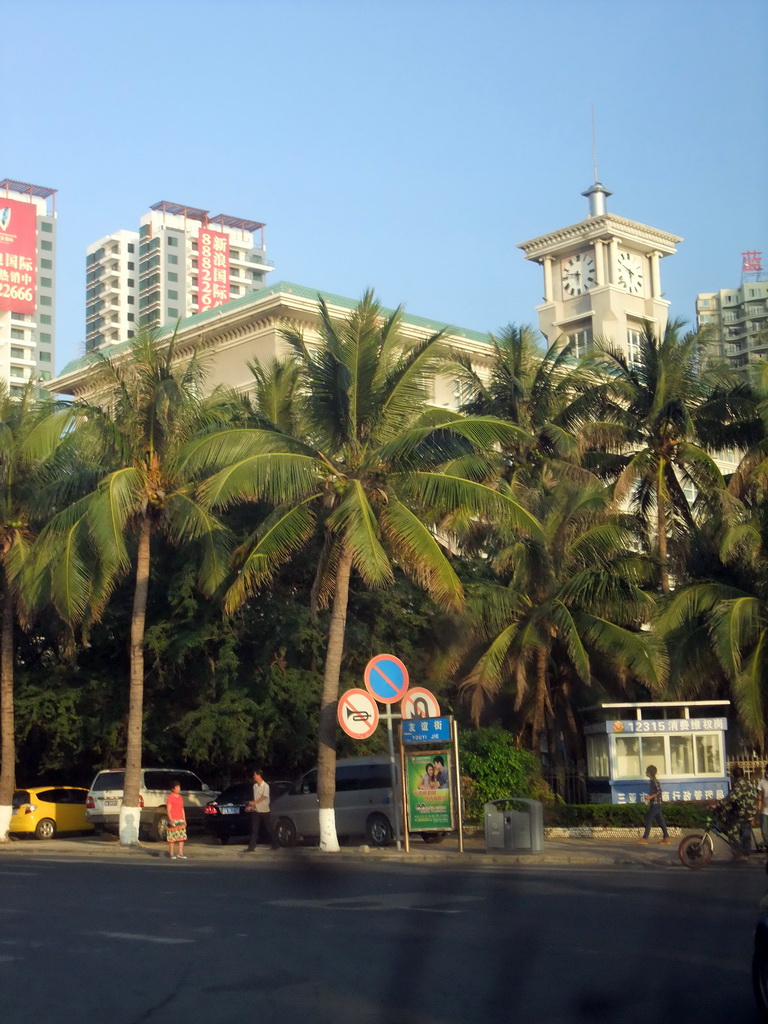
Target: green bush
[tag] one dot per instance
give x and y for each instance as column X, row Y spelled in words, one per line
column 493, row 766
column 677, row 815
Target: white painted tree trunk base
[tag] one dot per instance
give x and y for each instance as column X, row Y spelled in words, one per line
column 329, row 842
column 5, row 823
column 129, row 826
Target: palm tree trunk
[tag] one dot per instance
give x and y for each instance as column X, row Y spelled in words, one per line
column 326, row 756
column 540, row 701
column 661, row 526
column 129, row 812
column 7, row 739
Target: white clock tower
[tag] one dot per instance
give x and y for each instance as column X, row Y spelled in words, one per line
column 601, row 277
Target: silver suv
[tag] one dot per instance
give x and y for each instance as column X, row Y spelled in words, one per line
column 105, row 797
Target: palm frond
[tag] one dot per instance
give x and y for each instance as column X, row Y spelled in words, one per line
column 420, row 556
column 446, row 493
column 277, row 539
column 273, row 477
column 736, row 627
column 355, row 520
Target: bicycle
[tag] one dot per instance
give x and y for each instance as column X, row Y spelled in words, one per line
column 695, row 851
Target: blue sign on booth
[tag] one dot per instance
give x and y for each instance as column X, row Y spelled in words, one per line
column 427, row 730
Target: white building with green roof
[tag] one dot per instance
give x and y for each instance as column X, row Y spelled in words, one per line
column 248, row 328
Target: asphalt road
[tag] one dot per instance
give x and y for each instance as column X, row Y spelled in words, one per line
column 262, row 942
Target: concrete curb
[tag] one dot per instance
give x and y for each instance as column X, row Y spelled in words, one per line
column 570, row 852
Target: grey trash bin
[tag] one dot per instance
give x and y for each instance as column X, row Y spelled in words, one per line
column 515, row 825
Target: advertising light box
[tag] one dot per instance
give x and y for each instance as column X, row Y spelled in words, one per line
column 212, row 269
column 18, row 237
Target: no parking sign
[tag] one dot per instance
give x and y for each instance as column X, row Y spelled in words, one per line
column 386, row 678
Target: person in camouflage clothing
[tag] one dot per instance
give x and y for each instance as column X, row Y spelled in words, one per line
column 735, row 812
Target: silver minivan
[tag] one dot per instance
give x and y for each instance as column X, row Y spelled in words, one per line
column 364, row 804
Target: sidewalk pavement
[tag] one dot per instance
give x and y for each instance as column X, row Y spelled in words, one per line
column 582, row 852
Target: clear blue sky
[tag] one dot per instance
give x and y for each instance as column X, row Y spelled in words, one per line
column 406, row 145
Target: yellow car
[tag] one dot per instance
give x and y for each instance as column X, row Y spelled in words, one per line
column 46, row 810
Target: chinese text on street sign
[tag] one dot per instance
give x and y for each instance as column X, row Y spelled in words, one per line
column 427, row 730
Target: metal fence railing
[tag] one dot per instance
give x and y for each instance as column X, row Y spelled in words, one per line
column 570, row 782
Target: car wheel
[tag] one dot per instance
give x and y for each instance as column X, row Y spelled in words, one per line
column 285, row 832
column 433, row 837
column 160, row 828
column 378, row 831
column 46, row 829
column 694, row 852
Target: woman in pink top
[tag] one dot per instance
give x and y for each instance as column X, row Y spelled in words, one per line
column 176, row 833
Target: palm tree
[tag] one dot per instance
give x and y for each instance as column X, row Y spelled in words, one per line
column 569, row 607
column 32, row 430
column 667, row 413
column 548, row 394
column 376, row 468
column 147, row 408
column 717, row 625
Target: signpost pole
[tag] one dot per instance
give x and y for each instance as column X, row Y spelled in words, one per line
column 404, row 794
column 393, row 776
column 457, row 782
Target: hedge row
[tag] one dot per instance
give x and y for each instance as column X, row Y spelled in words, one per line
column 678, row 815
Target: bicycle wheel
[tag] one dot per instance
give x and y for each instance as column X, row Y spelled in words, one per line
column 695, row 851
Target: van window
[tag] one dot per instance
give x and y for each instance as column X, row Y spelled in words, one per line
column 347, row 779
column 108, row 780
column 309, row 782
column 159, row 780
column 189, row 781
column 375, row 776
column 162, row 778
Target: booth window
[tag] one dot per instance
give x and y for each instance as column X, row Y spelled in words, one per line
column 597, row 756
column 708, row 755
column 628, row 757
column 654, row 752
column 681, row 754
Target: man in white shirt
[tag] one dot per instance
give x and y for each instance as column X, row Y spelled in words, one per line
column 260, row 815
column 762, row 805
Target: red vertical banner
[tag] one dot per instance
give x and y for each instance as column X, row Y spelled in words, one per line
column 18, row 238
column 212, row 269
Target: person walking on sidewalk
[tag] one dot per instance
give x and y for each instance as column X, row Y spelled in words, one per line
column 655, row 810
column 176, row 831
column 260, row 810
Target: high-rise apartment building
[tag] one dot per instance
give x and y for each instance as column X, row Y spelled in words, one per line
column 737, row 318
column 181, row 261
column 27, row 283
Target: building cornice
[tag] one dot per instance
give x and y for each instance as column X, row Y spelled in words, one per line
column 603, row 227
column 274, row 308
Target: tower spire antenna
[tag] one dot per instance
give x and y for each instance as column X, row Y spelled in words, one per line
column 594, row 143
column 597, row 193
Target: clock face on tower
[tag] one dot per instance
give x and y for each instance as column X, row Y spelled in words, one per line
column 578, row 274
column 631, row 272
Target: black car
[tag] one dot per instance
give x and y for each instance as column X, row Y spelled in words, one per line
column 226, row 816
